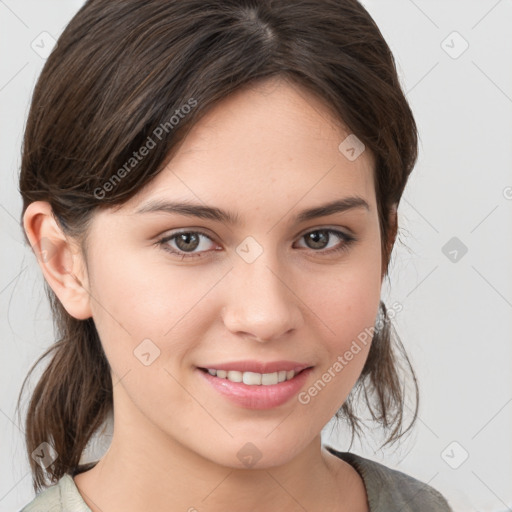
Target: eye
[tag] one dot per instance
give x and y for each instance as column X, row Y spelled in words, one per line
column 319, row 238
column 187, row 242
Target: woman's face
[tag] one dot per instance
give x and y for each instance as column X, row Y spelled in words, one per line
column 269, row 286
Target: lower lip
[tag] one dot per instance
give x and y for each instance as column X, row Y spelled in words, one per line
column 258, row 396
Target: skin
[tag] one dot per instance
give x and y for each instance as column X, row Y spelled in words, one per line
column 265, row 153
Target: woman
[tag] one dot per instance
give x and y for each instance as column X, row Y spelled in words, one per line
column 211, row 190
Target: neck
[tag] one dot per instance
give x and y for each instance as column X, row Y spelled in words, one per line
column 146, row 469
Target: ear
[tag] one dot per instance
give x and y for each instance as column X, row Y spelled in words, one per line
column 393, row 228
column 59, row 258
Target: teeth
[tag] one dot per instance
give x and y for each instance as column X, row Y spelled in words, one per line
column 253, row 378
column 235, row 376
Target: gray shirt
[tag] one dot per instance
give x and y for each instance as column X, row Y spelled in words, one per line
column 388, row 490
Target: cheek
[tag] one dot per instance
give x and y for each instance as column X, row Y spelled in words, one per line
column 346, row 300
column 146, row 316
column 346, row 305
column 353, row 306
column 137, row 299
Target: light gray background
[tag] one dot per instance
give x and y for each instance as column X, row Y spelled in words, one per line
column 457, row 315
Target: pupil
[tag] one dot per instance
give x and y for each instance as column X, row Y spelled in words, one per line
column 318, row 235
column 185, row 237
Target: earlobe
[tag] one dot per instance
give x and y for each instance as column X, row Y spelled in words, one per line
column 59, row 258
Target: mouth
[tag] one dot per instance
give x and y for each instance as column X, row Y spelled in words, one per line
column 250, row 390
column 255, row 378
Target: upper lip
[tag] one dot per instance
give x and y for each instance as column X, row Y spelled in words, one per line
column 258, row 366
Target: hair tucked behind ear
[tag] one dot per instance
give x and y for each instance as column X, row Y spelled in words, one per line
column 122, row 72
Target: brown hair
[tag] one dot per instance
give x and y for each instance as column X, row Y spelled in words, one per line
column 123, row 69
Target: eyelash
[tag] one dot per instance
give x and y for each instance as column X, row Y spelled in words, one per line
column 348, row 240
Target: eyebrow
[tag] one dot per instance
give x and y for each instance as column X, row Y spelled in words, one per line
column 217, row 214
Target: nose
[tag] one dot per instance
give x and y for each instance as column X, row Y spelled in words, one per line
column 262, row 303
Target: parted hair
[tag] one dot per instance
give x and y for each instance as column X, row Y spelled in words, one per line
column 121, row 70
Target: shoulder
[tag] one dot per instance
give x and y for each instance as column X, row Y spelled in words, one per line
column 389, row 489
column 60, row 497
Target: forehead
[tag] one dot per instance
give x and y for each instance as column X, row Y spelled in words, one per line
column 267, row 147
